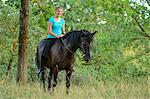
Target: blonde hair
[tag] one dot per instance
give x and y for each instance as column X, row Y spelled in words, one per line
column 59, row 8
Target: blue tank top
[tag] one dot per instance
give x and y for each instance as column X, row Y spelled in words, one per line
column 56, row 27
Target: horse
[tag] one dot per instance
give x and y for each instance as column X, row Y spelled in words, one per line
column 58, row 54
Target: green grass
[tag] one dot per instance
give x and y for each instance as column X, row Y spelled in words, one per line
column 101, row 90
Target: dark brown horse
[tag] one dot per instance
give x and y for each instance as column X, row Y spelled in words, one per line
column 59, row 54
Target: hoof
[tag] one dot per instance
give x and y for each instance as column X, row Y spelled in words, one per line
column 67, row 91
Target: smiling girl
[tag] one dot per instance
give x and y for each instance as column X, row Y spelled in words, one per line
column 56, row 25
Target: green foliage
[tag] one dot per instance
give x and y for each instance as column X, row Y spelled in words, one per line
column 119, row 51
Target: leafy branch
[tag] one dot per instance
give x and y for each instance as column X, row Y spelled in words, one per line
column 144, row 33
column 43, row 11
column 148, row 2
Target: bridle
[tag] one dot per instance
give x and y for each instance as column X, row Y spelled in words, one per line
column 70, row 49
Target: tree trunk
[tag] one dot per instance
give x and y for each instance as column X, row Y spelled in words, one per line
column 23, row 43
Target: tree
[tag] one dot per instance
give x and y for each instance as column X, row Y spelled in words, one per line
column 23, row 42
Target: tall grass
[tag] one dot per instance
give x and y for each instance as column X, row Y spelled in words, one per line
column 100, row 90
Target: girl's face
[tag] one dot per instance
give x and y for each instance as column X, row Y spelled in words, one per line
column 59, row 12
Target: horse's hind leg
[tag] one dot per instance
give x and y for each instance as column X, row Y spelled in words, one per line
column 68, row 75
column 43, row 79
column 49, row 80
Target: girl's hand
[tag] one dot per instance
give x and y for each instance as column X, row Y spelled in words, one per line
column 60, row 36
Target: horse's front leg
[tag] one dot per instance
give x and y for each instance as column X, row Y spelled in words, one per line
column 68, row 75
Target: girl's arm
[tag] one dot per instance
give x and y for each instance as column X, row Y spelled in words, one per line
column 63, row 29
column 50, row 30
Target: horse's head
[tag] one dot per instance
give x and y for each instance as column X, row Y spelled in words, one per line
column 85, row 42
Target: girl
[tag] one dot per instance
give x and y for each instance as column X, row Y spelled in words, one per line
column 56, row 25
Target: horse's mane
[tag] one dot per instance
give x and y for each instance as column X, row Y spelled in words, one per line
column 73, row 36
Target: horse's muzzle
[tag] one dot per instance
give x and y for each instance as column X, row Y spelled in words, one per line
column 87, row 57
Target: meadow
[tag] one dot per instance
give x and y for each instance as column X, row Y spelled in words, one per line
column 100, row 90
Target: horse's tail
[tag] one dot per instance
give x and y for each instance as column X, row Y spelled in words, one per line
column 37, row 62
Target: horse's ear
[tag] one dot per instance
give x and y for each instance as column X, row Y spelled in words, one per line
column 94, row 33
column 82, row 31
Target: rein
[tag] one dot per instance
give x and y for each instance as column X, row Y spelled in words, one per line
column 66, row 46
